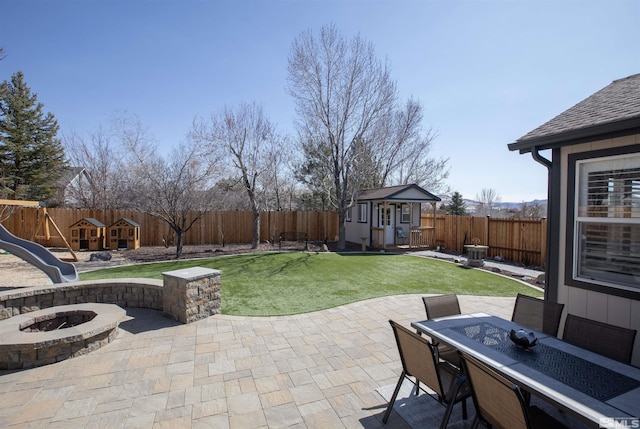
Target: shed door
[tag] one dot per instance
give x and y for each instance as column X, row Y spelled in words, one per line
column 386, row 219
column 84, row 239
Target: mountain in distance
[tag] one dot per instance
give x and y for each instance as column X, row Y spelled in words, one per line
column 471, row 205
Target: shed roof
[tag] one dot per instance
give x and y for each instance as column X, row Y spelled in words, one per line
column 614, row 110
column 410, row 192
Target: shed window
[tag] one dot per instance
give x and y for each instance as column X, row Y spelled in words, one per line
column 607, row 221
column 362, row 212
column 406, row 213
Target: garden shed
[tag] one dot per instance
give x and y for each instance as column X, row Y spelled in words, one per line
column 88, row 234
column 390, row 216
column 124, row 234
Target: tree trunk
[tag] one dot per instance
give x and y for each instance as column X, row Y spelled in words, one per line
column 179, row 242
column 256, row 229
column 342, row 241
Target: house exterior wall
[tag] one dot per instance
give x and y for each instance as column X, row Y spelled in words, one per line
column 608, row 308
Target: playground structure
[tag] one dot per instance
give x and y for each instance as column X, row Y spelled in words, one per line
column 88, row 234
column 124, row 234
column 59, row 271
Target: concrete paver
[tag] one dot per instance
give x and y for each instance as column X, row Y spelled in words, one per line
column 319, row 369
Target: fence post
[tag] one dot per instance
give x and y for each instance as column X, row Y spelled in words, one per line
column 486, row 229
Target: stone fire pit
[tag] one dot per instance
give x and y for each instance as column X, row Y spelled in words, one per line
column 47, row 336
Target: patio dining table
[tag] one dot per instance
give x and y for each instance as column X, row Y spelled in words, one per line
column 597, row 390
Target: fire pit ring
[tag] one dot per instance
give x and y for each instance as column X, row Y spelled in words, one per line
column 57, row 333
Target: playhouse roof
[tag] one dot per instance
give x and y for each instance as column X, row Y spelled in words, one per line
column 93, row 221
column 126, row 220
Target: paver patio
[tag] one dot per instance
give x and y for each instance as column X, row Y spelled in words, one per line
column 315, row 370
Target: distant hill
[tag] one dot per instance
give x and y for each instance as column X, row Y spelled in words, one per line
column 473, row 204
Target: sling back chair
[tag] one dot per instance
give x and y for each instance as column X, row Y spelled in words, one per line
column 442, row 306
column 543, row 316
column 500, row 403
column 419, row 361
column 608, row 340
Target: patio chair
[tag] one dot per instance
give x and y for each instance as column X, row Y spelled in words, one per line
column 608, row 340
column 419, row 360
column 538, row 314
column 443, row 306
column 500, row 403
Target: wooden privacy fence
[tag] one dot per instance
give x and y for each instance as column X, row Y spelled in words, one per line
column 517, row 240
column 212, row 228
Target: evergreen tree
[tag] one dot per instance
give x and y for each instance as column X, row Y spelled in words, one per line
column 457, row 207
column 31, row 156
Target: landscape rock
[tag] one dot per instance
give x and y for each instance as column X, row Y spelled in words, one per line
column 100, row 256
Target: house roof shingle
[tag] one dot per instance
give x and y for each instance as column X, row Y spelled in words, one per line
column 615, row 108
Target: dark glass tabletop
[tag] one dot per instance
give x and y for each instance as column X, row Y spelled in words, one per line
column 583, row 375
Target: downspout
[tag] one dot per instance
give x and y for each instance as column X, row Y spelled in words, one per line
column 535, row 153
column 550, row 296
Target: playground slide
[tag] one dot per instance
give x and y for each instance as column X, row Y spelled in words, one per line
column 38, row 256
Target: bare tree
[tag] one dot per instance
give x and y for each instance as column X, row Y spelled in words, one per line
column 245, row 138
column 487, row 199
column 400, row 151
column 531, row 210
column 341, row 91
column 174, row 188
column 102, row 159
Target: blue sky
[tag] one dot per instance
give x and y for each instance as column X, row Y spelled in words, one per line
column 486, row 71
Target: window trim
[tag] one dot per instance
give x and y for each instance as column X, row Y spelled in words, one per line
column 571, row 238
column 402, row 206
column 363, row 208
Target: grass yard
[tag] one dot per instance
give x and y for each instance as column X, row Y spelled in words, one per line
column 271, row 284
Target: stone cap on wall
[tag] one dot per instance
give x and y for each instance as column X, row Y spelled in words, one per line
column 191, row 274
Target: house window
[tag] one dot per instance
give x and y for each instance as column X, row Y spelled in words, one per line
column 362, row 212
column 607, row 221
column 347, row 216
column 406, row 213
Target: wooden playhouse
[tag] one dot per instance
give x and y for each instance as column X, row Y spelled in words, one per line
column 124, row 234
column 88, row 234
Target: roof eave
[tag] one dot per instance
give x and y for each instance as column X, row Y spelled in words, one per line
column 608, row 130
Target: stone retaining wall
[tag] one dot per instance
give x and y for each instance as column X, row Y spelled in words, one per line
column 141, row 293
column 185, row 295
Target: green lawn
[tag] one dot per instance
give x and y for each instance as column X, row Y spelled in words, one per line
column 270, row 284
